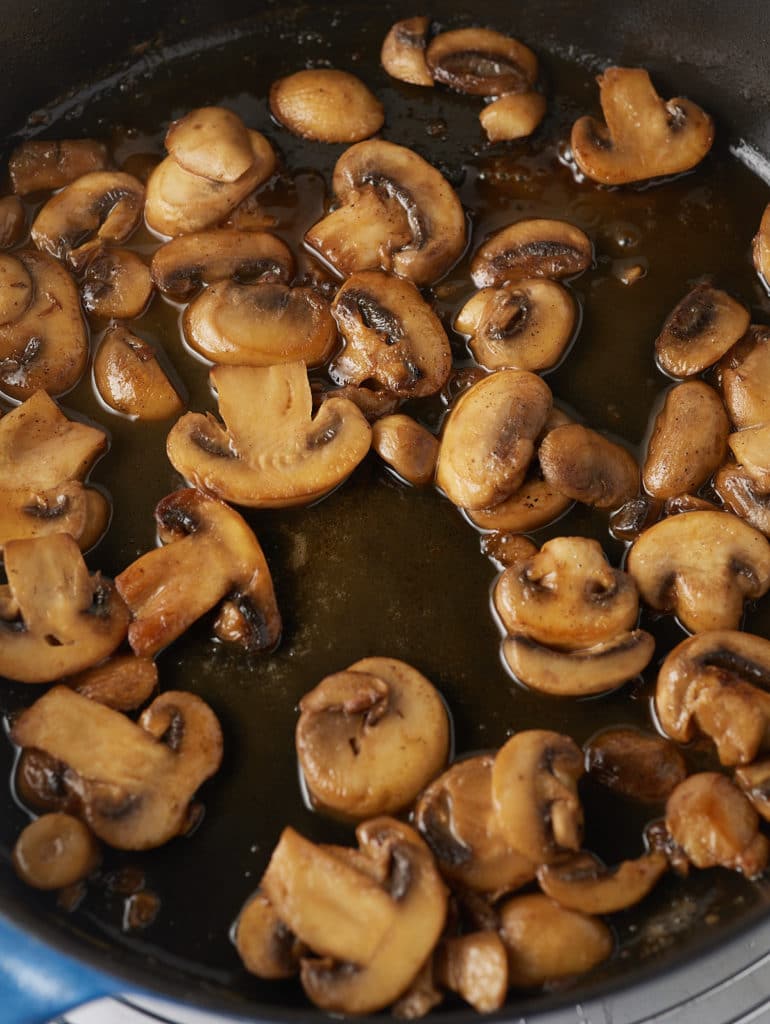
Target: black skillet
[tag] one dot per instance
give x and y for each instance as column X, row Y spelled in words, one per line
column 378, row 570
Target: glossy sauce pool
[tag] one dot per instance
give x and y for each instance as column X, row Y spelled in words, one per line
column 378, row 567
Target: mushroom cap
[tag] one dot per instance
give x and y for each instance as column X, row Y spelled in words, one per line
column 584, row 884
column 38, row 165
column 488, row 439
column 403, row 51
column 476, row 967
column 514, row 116
column 13, row 221
column 407, row 447
column 744, row 376
column 583, row 465
column 371, row 737
column 532, row 247
column 117, row 284
column 536, row 503
column 761, row 248
column 754, row 780
column 644, row 135
column 130, row 379
column 701, row 566
column 740, row 494
column 272, row 453
column 326, row 105
column 122, row 683
column 641, row 766
column 481, row 62
column 699, row 331
column 212, row 143
column 265, row 945
column 751, row 448
column 15, row 289
column 54, row 851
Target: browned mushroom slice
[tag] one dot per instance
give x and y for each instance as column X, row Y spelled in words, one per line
column 505, row 549
column 644, row 135
column 370, row 738
column 761, row 248
column 481, row 62
column 716, row 682
column 634, row 516
column 46, row 345
column 132, row 784
column 536, row 503
column 372, row 175
column 581, row 464
column 35, row 165
column 391, row 336
column 209, row 552
column 69, row 507
column 403, row 51
column 642, row 766
column 525, row 326
column 701, row 566
column 181, row 266
column 476, row 967
column 716, row 826
column 260, row 325
column 513, row 117
column 704, row 325
column 272, row 453
column 567, row 596
column 67, row 619
column 13, row 221
column 420, row 997
column 531, row 248
column 534, row 791
column 117, row 284
column 751, row 448
column 265, row 945
column 373, row 404
column 738, row 491
column 123, row 683
column 457, row 819
column 407, row 447
column 489, row 438
column 744, row 374
column 107, row 204
column 547, row 942
column 212, row 143
column 326, row 105
column 55, row 851
column 688, row 441
column 754, row 780
column 583, row 883
column 16, row 289
column 130, row 379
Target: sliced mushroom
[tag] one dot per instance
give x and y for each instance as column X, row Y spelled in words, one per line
column 326, row 105
column 702, row 327
column 531, row 248
column 634, row 516
column 739, row 493
column 644, row 136
column 751, row 448
column 265, row 945
column 761, row 248
column 717, row 683
column 642, row 766
column 107, row 204
column 505, row 549
column 488, row 439
column 407, row 447
column 581, row 464
column 117, row 284
column 403, row 51
column 524, row 326
column 209, row 552
column 212, row 143
column 16, row 289
column 373, row 176
column 370, row 738
column 130, row 379
column 547, row 942
column 744, row 374
column 373, row 404
column 421, row 996
column 132, row 784
column 481, row 62
column 36, row 165
column 55, row 851
column 13, row 221
column 514, row 116
column 534, row 791
column 456, row 818
column 123, row 683
column 475, row 966
column 681, row 503
column 536, row 503
column 754, row 780
column 391, row 335
column 701, row 566
column 46, row 345
column 181, row 266
column 271, row 454
column 584, row 884
column 716, row 826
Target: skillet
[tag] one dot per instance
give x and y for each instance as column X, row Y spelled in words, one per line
column 199, row 53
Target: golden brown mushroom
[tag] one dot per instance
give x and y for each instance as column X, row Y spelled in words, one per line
column 481, row 62
column 700, row 330
column 751, row 449
column 122, row 683
column 740, row 494
column 642, row 766
column 130, row 379
column 36, row 165
column 117, row 284
column 55, row 851
column 407, row 447
column 13, row 221
column 514, row 116
column 475, row 966
column 584, row 884
column 326, row 105
column 403, row 51
column 761, row 248
column 264, row 943
column 212, row 143
column 754, row 780
column 531, row 248
column 744, row 374
column 583, row 465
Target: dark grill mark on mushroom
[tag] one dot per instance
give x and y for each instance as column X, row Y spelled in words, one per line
column 545, row 250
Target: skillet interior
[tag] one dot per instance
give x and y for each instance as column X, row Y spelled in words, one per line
column 408, row 551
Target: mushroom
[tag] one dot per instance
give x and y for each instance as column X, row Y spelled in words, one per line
column 583, row 465
column 370, row 738
column 38, row 165
column 635, row 515
column 547, row 942
column 260, row 325
column 208, row 553
column 66, row 620
column 754, row 780
column 514, row 116
column 373, row 404
column 39, row 783
column 744, row 375
column 524, row 326
column 481, row 62
column 639, row 765
column 130, row 379
column 534, row 792
column 408, row 448
column 716, row 826
column 717, row 682
column 761, row 248
column 271, row 453
column 456, row 818
column 55, row 851
column 584, row 884
column 421, row 996
column 264, row 943
column 107, row 204
column 536, row 503
column 123, row 683
column 395, row 212
column 488, row 439
column 507, row 548
column 13, row 221
column 531, row 248
column 117, row 284
column 688, row 442
column 45, row 344
column 211, row 143
column 392, row 337
column 475, row 966
column 644, row 136
column 701, row 566
column 700, row 330
column 403, row 51
column 326, row 105
column 132, row 784
column 181, row 266
column 738, row 491
column 751, row 448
